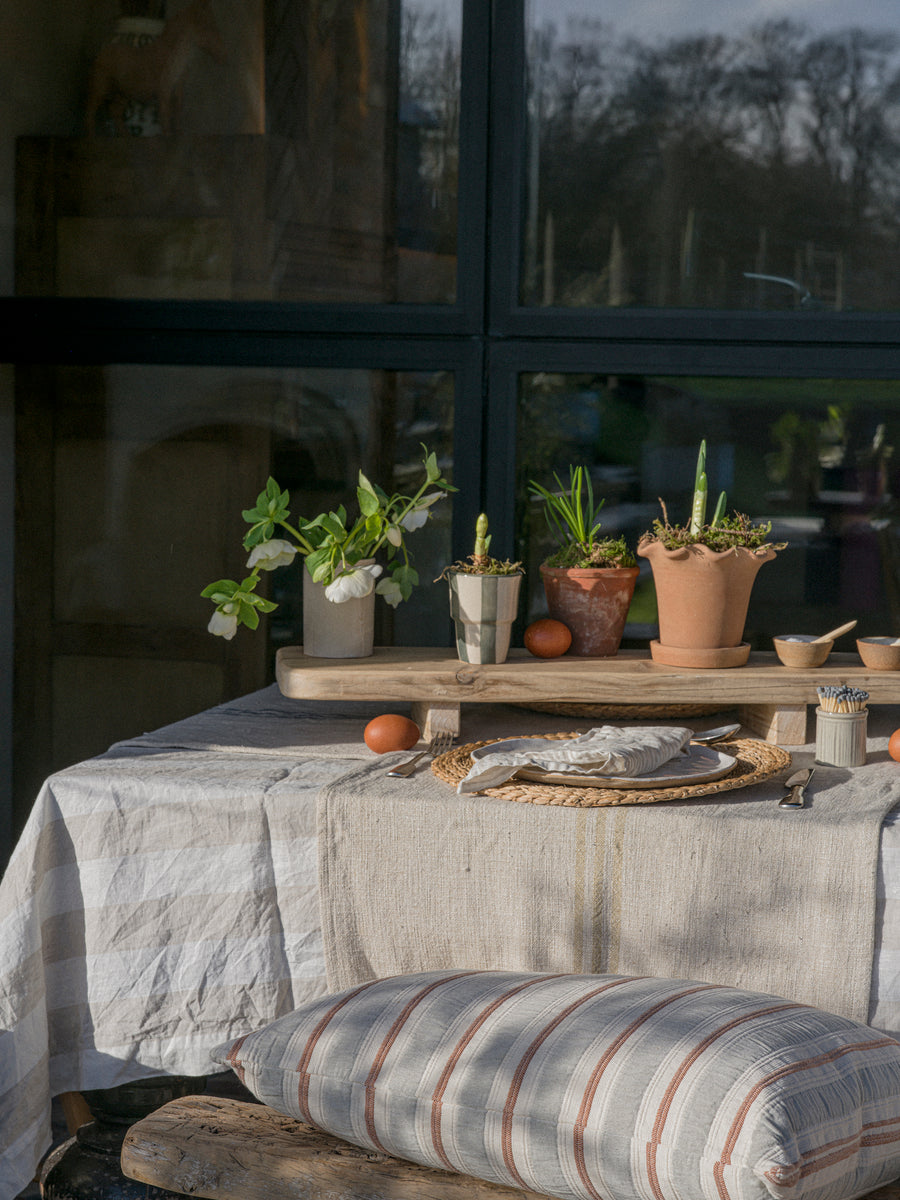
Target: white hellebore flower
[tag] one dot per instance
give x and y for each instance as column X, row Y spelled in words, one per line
column 416, row 517
column 223, row 624
column 391, row 592
column 353, row 584
column 269, row 555
column 395, row 535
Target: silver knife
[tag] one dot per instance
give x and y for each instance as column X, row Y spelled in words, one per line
column 797, row 782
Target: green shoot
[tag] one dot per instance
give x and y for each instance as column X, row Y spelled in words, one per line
column 698, row 512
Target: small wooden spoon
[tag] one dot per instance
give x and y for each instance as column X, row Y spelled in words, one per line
column 835, row 633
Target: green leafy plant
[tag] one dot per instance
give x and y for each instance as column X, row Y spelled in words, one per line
column 480, row 561
column 722, row 533
column 333, row 548
column 572, row 516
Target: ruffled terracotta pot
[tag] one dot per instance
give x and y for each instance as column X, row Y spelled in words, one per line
column 702, row 596
column 593, row 603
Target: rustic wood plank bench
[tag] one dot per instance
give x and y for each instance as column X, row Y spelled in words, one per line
column 223, row 1149
column 772, row 700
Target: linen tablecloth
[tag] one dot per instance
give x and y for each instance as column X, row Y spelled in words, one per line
column 164, row 897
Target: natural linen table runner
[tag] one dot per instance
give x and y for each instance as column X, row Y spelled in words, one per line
column 735, row 891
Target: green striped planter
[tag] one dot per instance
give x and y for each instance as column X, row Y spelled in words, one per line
column 483, row 608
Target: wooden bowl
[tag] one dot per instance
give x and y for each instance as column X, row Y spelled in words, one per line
column 878, row 654
column 801, row 650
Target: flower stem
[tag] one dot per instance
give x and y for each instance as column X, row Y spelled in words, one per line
column 305, row 546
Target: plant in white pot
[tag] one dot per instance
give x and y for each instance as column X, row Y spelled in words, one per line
column 704, row 575
column 588, row 580
column 484, row 600
column 339, row 580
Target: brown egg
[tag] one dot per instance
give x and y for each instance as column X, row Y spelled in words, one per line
column 547, row 638
column 390, row 732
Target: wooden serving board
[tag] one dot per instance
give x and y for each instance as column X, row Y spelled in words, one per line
column 772, row 700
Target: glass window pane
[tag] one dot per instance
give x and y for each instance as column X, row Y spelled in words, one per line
column 214, row 150
column 131, row 482
column 814, row 457
column 713, row 155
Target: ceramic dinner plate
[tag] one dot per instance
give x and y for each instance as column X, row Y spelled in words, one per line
column 699, row 764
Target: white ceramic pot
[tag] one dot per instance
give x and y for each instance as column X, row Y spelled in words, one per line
column 330, row 630
column 483, row 608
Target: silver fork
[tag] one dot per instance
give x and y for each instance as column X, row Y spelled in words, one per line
column 439, row 744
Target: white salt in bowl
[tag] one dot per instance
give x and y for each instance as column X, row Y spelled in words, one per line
column 801, row 649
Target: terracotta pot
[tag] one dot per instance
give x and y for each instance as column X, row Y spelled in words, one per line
column 330, row 630
column 483, row 608
column 593, row 603
column 702, row 596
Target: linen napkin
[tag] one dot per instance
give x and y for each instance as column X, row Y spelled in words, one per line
column 606, row 750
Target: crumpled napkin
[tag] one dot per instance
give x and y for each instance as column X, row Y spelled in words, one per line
column 606, row 750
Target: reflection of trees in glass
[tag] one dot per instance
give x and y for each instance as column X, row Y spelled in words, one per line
column 668, row 174
column 428, row 150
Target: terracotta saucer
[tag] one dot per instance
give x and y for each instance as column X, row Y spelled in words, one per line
column 685, row 656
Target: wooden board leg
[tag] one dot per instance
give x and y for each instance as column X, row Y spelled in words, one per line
column 432, row 716
column 75, row 1110
column 783, row 724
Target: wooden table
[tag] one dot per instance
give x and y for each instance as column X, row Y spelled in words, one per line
column 772, row 700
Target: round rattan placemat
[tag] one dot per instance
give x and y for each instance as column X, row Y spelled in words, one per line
column 756, row 761
column 624, row 712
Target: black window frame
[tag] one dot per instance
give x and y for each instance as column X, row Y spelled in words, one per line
column 486, row 337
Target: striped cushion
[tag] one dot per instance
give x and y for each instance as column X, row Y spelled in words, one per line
column 591, row 1085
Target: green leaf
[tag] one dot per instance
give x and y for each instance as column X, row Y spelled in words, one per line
column 318, row 557
column 261, row 532
column 330, row 522
column 261, row 603
column 406, row 578
column 222, row 589
column 249, row 616
column 367, row 497
column 720, row 511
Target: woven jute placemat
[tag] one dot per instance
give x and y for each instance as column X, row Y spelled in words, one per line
column 756, row 761
column 623, row 712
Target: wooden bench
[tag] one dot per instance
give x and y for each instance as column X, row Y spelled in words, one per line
column 223, row 1149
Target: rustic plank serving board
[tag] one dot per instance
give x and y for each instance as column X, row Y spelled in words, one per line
column 772, row 700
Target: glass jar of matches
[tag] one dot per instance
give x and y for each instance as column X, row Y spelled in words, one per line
column 841, row 725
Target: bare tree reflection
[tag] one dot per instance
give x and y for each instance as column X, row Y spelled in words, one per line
column 693, row 170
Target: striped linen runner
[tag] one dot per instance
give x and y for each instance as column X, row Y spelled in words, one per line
column 591, row 1086
column 731, row 889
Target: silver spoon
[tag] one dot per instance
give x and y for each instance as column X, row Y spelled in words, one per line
column 715, row 735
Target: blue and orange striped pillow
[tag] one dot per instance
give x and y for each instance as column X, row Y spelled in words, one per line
column 590, row 1086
